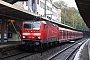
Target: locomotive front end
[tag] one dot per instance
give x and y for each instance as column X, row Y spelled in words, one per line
column 31, row 34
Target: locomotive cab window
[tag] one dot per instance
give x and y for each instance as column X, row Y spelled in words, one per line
column 27, row 26
column 32, row 25
column 44, row 26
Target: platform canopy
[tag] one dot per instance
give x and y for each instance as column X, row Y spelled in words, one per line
column 11, row 11
column 84, row 9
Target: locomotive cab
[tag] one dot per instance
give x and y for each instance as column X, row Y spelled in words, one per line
column 31, row 31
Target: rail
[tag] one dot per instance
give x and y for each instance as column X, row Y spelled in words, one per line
column 66, row 53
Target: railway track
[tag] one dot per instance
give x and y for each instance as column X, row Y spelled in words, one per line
column 17, row 56
column 12, row 53
column 67, row 52
column 47, row 53
column 7, row 51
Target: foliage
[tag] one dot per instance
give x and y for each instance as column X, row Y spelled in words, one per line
column 70, row 16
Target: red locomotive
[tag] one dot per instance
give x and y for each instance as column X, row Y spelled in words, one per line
column 44, row 32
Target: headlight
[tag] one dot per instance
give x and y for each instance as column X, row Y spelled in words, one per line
column 39, row 37
column 24, row 37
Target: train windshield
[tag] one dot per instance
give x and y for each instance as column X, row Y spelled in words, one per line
column 32, row 25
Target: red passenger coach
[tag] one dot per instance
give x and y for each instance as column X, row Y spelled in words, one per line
column 68, row 34
column 64, row 34
column 37, row 32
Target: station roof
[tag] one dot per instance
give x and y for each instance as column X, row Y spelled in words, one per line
column 84, row 9
column 13, row 12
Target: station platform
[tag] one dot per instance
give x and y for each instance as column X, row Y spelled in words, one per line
column 9, row 44
column 84, row 51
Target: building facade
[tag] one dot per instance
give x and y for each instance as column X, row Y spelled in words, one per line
column 43, row 8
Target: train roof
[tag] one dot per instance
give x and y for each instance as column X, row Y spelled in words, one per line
column 60, row 28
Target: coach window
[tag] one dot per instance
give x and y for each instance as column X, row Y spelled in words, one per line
column 61, row 33
column 72, row 33
column 64, row 33
column 67, row 33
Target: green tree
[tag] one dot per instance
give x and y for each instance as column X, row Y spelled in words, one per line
column 61, row 4
column 71, row 16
